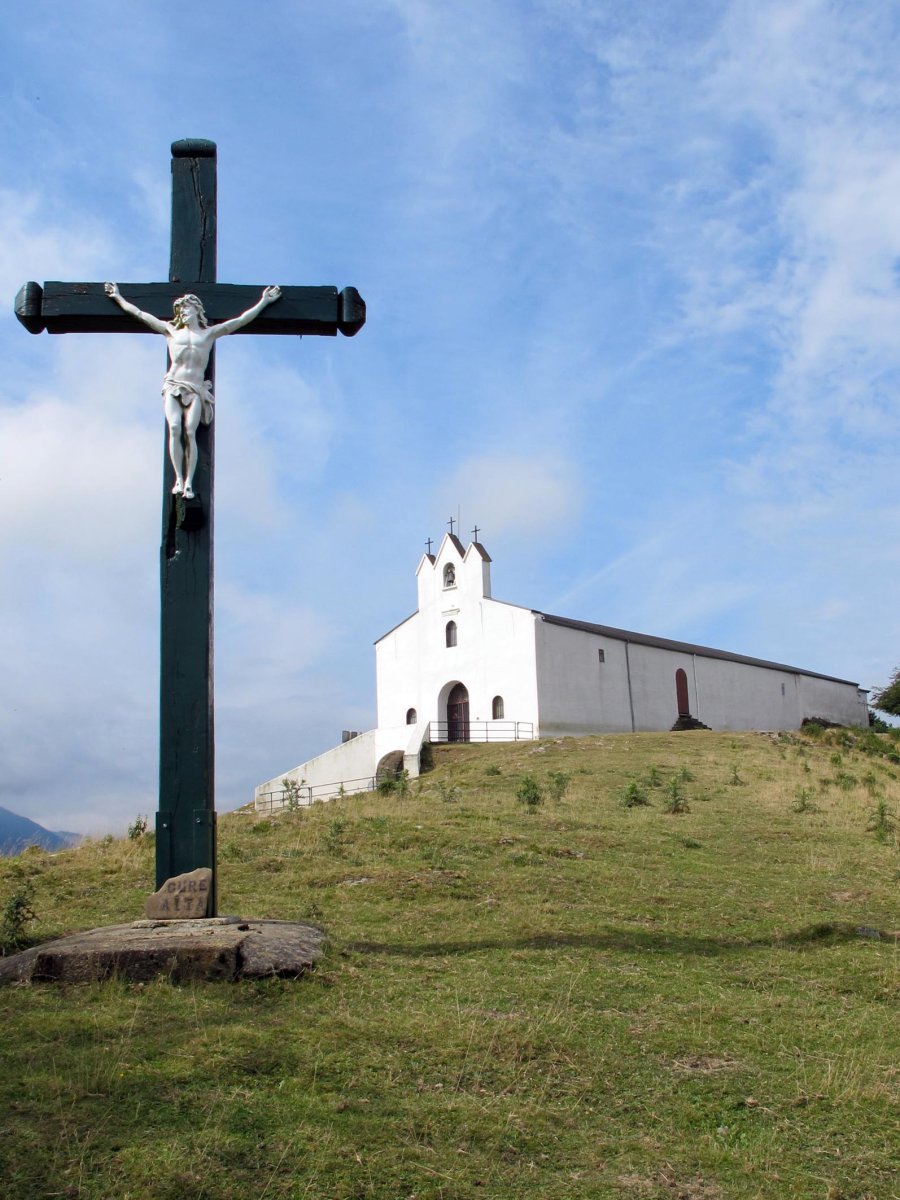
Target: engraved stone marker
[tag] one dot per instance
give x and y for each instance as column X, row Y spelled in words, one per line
column 181, row 898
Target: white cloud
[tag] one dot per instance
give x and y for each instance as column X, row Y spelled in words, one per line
column 33, row 246
column 78, row 463
column 275, row 430
column 510, row 494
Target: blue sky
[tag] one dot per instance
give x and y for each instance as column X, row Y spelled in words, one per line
column 632, row 275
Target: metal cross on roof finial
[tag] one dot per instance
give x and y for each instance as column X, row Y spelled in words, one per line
column 428, row 543
column 476, row 531
column 451, row 523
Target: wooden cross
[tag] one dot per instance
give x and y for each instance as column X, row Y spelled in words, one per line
column 451, row 523
column 186, row 821
column 429, row 544
column 476, row 531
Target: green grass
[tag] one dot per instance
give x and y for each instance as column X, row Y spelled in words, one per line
column 580, row 999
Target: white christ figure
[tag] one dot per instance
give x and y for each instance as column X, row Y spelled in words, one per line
column 187, row 393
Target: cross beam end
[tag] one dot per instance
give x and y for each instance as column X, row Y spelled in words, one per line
column 29, row 300
column 353, row 312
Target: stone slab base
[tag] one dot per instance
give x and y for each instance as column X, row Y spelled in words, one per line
column 216, row 948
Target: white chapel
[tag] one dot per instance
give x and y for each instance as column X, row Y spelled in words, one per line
column 466, row 667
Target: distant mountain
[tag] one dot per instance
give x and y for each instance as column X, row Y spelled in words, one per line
column 17, row 833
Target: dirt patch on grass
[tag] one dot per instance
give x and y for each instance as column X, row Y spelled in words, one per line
column 705, row 1064
column 665, row 1183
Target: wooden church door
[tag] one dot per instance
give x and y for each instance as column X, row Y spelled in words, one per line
column 458, row 714
column 681, row 693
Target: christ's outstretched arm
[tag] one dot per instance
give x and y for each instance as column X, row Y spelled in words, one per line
column 269, row 296
column 154, row 323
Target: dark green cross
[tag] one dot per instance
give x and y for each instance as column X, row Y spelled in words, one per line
column 186, row 821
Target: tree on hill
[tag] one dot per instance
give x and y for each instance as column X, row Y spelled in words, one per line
column 888, row 698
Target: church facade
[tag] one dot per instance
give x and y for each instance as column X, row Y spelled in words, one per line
column 467, row 667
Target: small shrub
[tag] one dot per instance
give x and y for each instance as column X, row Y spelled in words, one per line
column 881, row 822
column 654, row 779
column 137, row 828
column 836, row 759
column 690, row 843
column 676, row 801
column 16, row 914
column 449, row 792
column 557, row 782
column 493, row 769
column 803, row 802
column 870, row 743
column 735, row 780
column 685, row 775
column 426, row 757
column 633, row 795
column 529, row 793
column 387, row 785
column 334, row 834
column 231, row 852
column 844, row 781
column 293, row 793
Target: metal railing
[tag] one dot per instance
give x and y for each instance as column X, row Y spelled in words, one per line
column 480, row 731
column 304, row 795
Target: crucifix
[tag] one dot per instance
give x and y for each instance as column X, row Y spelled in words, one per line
column 204, row 311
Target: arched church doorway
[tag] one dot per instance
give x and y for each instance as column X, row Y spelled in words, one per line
column 458, row 714
column 681, row 693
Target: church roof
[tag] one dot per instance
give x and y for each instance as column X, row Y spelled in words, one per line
column 477, row 546
column 646, row 639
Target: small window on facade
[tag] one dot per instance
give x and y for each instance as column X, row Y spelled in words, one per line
column 451, row 633
column 601, row 655
column 411, row 716
column 497, row 708
column 449, row 575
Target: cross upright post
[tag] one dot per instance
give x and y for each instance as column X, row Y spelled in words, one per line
column 186, row 820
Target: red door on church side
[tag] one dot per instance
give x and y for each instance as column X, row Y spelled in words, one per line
column 681, row 693
column 458, row 714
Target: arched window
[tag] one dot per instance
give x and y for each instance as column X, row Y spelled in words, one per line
column 451, row 633
column 411, row 716
column 449, row 575
column 497, row 708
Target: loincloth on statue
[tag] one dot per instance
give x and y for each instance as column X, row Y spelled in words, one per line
column 185, row 392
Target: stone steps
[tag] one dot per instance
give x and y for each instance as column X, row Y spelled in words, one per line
column 686, row 722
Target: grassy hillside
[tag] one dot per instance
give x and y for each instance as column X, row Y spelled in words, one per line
column 583, row 999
